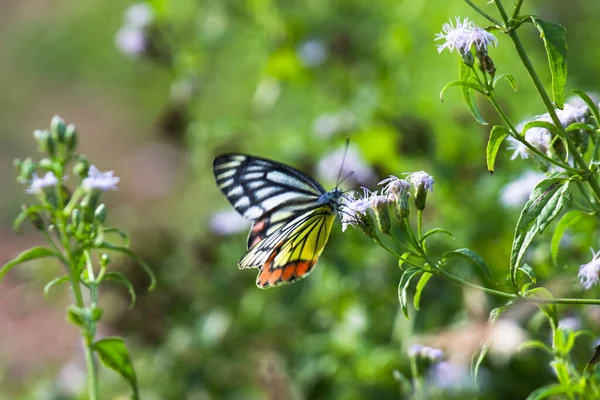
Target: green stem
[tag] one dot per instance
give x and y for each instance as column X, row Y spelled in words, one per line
column 517, row 135
column 400, row 244
column 517, row 9
column 475, row 286
column 484, row 14
column 548, row 103
column 416, row 378
column 419, row 224
column 72, row 270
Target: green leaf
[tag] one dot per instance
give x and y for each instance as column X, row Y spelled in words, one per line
column 548, row 309
column 541, row 124
column 577, row 126
column 555, row 42
column 433, row 232
column 130, row 253
column 561, row 370
column 420, row 286
column 114, row 355
column 120, row 278
column 76, row 316
column 54, row 282
column 547, row 391
column 565, row 222
column 593, row 360
column 473, row 257
column 28, row 255
column 508, row 77
column 544, row 204
column 403, row 288
column 497, row 136
column 527, row 270
column 536, row 344
column 466, row 75
column 403, row 259
column 590, row 103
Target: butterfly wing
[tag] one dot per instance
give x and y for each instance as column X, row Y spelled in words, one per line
column 291, row 252
column 265, row 191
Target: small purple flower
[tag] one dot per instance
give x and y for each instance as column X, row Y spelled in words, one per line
column 455, row 37
column 100, row 181
column 37, row 184
column 481, row 38
column 355, row 209
column 394, row 187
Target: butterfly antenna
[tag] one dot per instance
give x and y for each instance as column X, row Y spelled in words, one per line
column 342, row 166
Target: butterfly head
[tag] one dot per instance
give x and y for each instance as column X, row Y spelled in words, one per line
column 333, row 198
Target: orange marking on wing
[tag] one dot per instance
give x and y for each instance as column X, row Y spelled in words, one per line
column 257, row 232
column 288, row 273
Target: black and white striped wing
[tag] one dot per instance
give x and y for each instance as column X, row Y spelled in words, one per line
column 265, row 191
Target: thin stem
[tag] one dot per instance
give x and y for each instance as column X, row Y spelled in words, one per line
column 419, row 224
column 392, row 252
column 400, row 244
column 475, row 286
column 517, row 9
column 485, row 15
column 548, row 103
column 416, row 378
column 517, row 135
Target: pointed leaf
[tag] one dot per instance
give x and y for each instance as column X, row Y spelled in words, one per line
column 474, row 258
column 420, row 286
column 544, row 204
column 54, row 282
column 403, row 288
column 565, row 222
column 527, row 270
column 497, row 136
column 120, row 278
column 508, row 77
column 28, row 255
column 547, row 391
column 433, row 232
column 76, row 316
column 477, row 359
column 138, row 259
column 590, row 103
column 555, row 42
column 466, row 75
column 114, row 355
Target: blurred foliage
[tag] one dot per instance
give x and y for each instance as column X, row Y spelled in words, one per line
column 238, row 76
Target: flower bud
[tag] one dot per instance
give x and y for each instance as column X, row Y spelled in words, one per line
column 71, row 138
column 42, row 137
column 379, row 206
column 26, row 169
column 35, row 217
column 422, row 182
column 46, row 163
column 58, row 129
column 76, row 217
column 104, row 259
column 100, row 213
column 82, row 166
column 467, row 57
column 486, row 64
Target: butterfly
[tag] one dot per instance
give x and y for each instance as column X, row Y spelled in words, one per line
column 292, row 215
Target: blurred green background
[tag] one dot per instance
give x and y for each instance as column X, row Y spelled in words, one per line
column 288, row 81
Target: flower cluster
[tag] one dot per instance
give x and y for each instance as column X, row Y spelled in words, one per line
column 371, row 209
column 590, row 273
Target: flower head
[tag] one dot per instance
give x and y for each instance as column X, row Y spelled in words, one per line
column 421, row 181
column 455, row 37
column 355, row 212
column 131, row 41
column 429, row 353
column 37, row 184
column 589, row 273
column 481, row 38
column 394, row 187
column 100, row 181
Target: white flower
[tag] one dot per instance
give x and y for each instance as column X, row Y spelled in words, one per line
column 518, row 148
column 393, row 187
column 480, row 38
column 421, row 181
column 312, row 53
column 38, row 184
column 101, row 181
column 589, row 273
column 227, row 222
column 131, row 41
column 355, row 208
column 516, row 193
column 329, row 166
column 455, row 37
column 139, row 15
column 570, row 323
